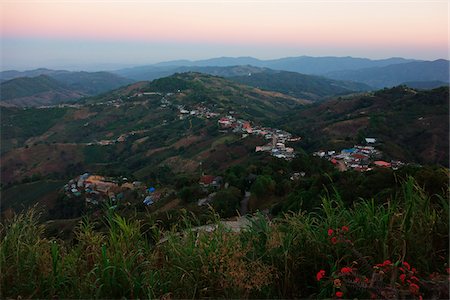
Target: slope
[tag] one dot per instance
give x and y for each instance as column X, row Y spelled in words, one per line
column 396, row 74
column 139, row 130
column 300, row 85
column 48, row 87
column 411, row 125
column 40, row 90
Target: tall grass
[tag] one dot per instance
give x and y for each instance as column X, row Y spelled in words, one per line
column 275, row 258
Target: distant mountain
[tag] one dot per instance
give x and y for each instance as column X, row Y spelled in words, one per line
column 396, row 74
column 300, row 85
column 44, row 86
column 91, row 83
column 39, row 90
column 301, row 64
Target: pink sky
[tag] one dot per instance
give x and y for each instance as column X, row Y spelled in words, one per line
column 326, row 25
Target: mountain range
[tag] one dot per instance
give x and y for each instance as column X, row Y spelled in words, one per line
column 375, row 73
column 310, row 78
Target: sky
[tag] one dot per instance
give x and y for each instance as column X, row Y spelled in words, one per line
column 100, row 34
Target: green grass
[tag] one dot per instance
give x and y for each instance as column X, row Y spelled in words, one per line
column 276, row 258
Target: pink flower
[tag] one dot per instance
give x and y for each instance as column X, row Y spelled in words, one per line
column 320, row 275
column 330, row 232
column 402, row 278
column 344, row 228
column 334, row 240
column 339, row 294
column 406, row 265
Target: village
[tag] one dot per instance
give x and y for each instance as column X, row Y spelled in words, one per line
column 360, row 158
column 96, row 189
column 277, row 138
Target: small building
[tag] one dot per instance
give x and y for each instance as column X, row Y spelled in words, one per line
column 382, row 164
column 371, row 140
column 206, row 180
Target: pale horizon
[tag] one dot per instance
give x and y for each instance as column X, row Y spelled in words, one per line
column 113, row 34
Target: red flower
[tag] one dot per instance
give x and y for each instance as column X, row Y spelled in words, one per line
column 387, row 263
column 415, row 278
column 402, row 278
column 344, row 228
column 330, row 232
column 346, row 270
column 413, row 270
column 413, row 288
column 406, row 265
column 420, row 297
column 320, row 275
column 401, row 269
column 366, row 280
column 334, row 240
column 339, row 294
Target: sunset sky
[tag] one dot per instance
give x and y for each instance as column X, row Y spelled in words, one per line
column 110, row 34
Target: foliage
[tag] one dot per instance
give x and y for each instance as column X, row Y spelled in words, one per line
column 276, row 258
column 226, row 202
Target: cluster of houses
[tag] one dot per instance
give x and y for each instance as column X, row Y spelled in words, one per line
column 198, row 111
column 97, row 189
column 277, row 138
column 360, row 157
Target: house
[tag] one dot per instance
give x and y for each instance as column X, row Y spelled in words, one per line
column 348, row 151
column 370, row 140
column 206, row 180
column 382, row 164
column 224, row 122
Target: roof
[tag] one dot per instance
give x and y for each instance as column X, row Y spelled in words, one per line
column 381, row 163
column 207, row 179
column 350, row 150
column 359, row 156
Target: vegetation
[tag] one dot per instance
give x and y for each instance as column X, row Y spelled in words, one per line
column 279, row 258
column 299, row 85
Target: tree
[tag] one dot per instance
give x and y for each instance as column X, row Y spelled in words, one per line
column 264, row 185
column 227, row 201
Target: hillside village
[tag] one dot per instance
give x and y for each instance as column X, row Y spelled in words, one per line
column 360, row 158
column 95, row 189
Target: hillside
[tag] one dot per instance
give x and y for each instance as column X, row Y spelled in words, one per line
column 47, row 87
column 146, row 119
column 396, row 74
column 300, row 85
column 40, row 90
column 411, row 125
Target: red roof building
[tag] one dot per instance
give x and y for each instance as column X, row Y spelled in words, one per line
column 381, row 163
column 206, row 180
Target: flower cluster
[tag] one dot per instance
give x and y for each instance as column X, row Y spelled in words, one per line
column 407, row 279
column 338, row 235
